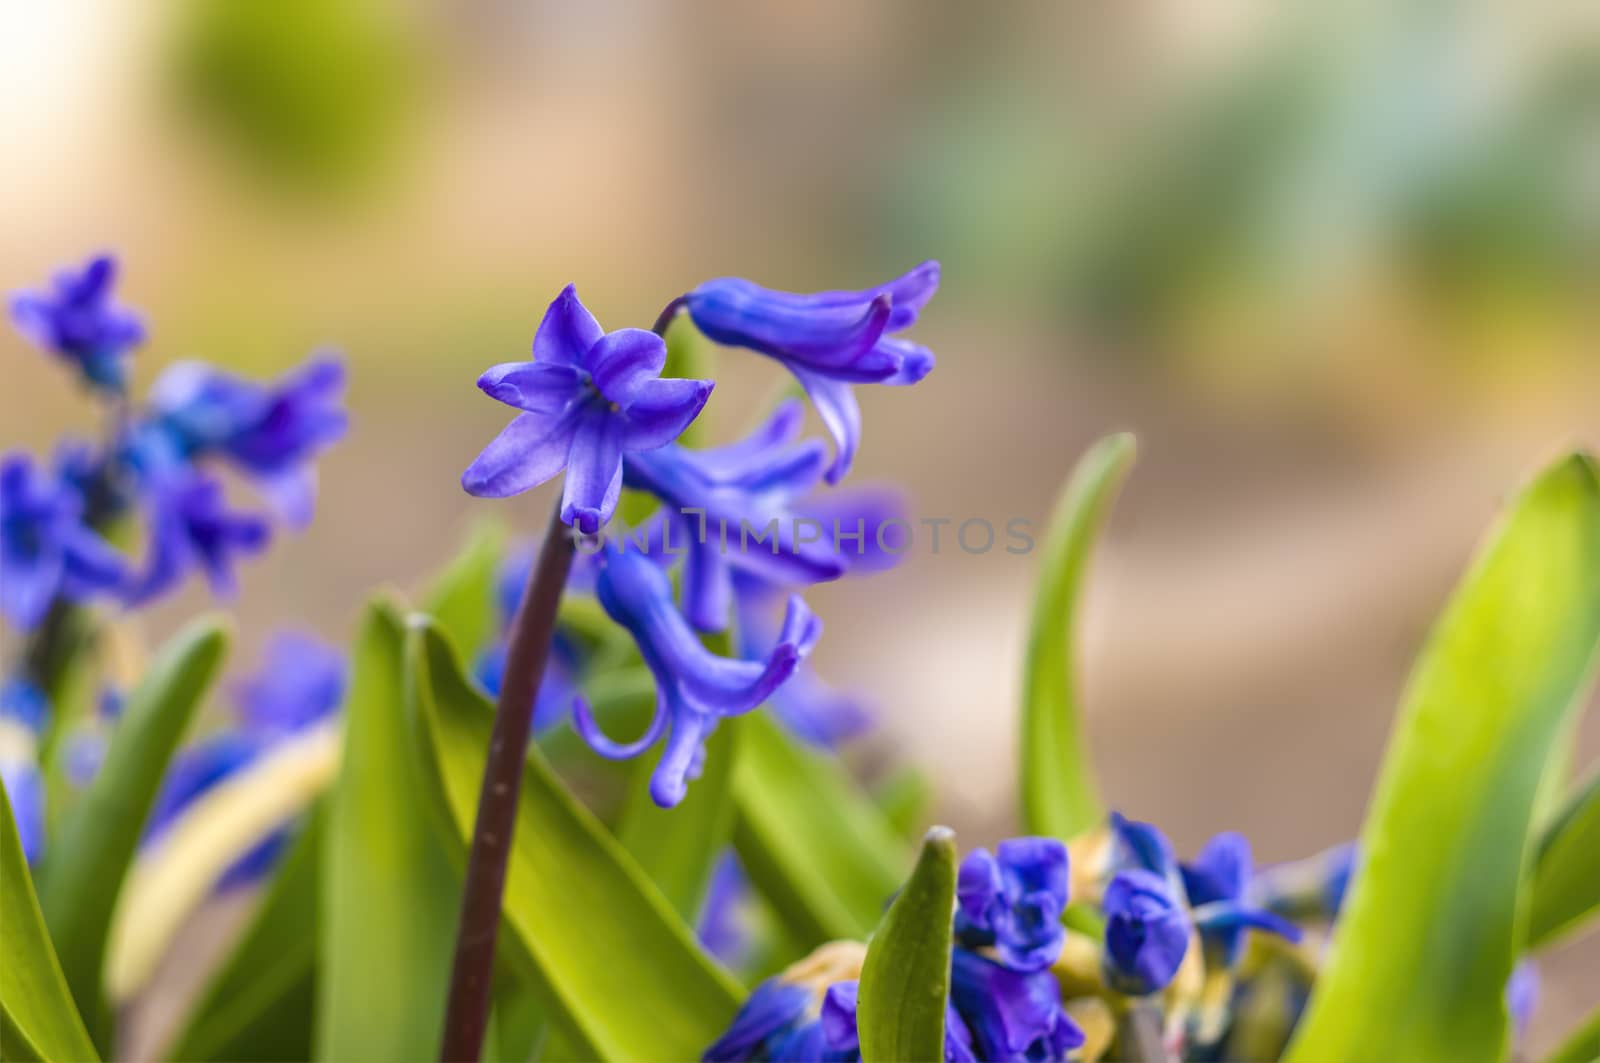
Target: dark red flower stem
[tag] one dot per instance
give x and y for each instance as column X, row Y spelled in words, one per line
column 668, row 312
column 467, row 1014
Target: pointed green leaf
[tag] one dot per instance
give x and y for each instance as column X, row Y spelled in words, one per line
column 600, row 943
column 391, row 896
column 815, row 845
column 84, row 868
column 677, row 846
column 258, row 1004
column 1566, row 872
column 461, row 599
column 1431, row 927
column 38, row 1019
column 1059, row 794
column 1582, row 1045
column 905, row 980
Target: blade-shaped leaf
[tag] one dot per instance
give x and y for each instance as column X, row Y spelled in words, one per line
column 1430, row 930
column 677, row 846
column 600, row 942
column 905, row 980
column 1566, row 870
column 84, row 868
column 258, row 1004
column 1582, row 1045
column 1059, row 794
column 813, row 843
column 461, row 599
column 38, row 1019
column 391, row 895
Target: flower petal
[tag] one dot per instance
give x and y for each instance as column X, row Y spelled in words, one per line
column 594, row 473
column 670, row 781
column 537, row 387
column 661, row 410
column 530, row 450
column 836, row 404
column 589, row 730
column 623, row 361
column 567, row 331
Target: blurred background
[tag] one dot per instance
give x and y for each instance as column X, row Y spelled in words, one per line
column 1338, row 266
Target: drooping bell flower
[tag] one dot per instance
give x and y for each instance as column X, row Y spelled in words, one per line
column 1013, row 900
column 732, row 506
column 46, row 551
column 77, row 320
column 1218, row 885
column 588, row 397
column 783, row 1018
column 830, row 341
column 191, row 526
column 269, row 431
column 1147, row 932
column 23, row 714
column 1011, row 1015
column 695, row 687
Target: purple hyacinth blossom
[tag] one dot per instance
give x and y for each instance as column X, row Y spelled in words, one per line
column 1217, row 883
column 76, row 320
column 830, row 341
column 695, row 687
column 779, row 1021
column 1011, row 1015
column 588, row 397
column 191, row 526
column 270, row 431
column 1013, row 901
column 301, row 681
column 1147, row 932
column 720, row 925
column 46, row 551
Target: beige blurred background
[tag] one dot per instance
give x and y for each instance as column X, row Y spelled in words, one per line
column 1336, row 265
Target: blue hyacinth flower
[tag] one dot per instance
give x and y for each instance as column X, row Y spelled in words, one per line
column 24, row 711
column 269, row 431
column 807, row 706
column 191, row 526
column 720, row 925
column 1013, row 901
column 1011, row 1015
column 46, row 551
column 77, row 321
column 1147, row 932
column 841, row 1033
column 791, row 1017
column 1218, row 883
column 588, row 398
column 830, row 341
column 695, row 687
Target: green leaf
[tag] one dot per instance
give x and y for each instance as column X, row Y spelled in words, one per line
column 1566, row 871
column 83, row 870
column 1582, row 1046
column 37, row 1017
column 603, row 947
column 677, row 846
column 813, row 843
column 1059, row 794
column 258, row 1004
column 461, row 599
column 1431, row 927
column 905, row 979
column 391, row 896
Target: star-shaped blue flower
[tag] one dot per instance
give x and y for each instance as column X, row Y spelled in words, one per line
column 76, row 320
column 46, row 551
column 588, row 397
column 190, row 526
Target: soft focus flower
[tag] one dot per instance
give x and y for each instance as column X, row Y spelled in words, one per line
column 1217, row 882
column 828, row 340
column 559, row 686
column 695, row 687
column 783, row 1018
column 1522, row 996
column 46, row 551
column 301, row 681
column 806, row 705
column 191, row 526
column 1012, row 1015
column 23, row 714
column 1013, row 901
column 76, row 320
column 1312, row 888
column 589, row 397
column 270, row 431
column 721, row 924
column 1147, row 932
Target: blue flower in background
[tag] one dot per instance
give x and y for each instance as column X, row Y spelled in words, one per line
column 805, row 1014
column 76, row 320
column 559, row 687
column 1147, row 932
column 270, row 431
column 46, row 551
column 1012, row 1015
column 720, row 925
column 695, row 688
column 191, row 527
column 830, row 341
column 812, row 710
column 23, row 714
column 588, row 397
column 1218, row 882
column 1013, row 901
